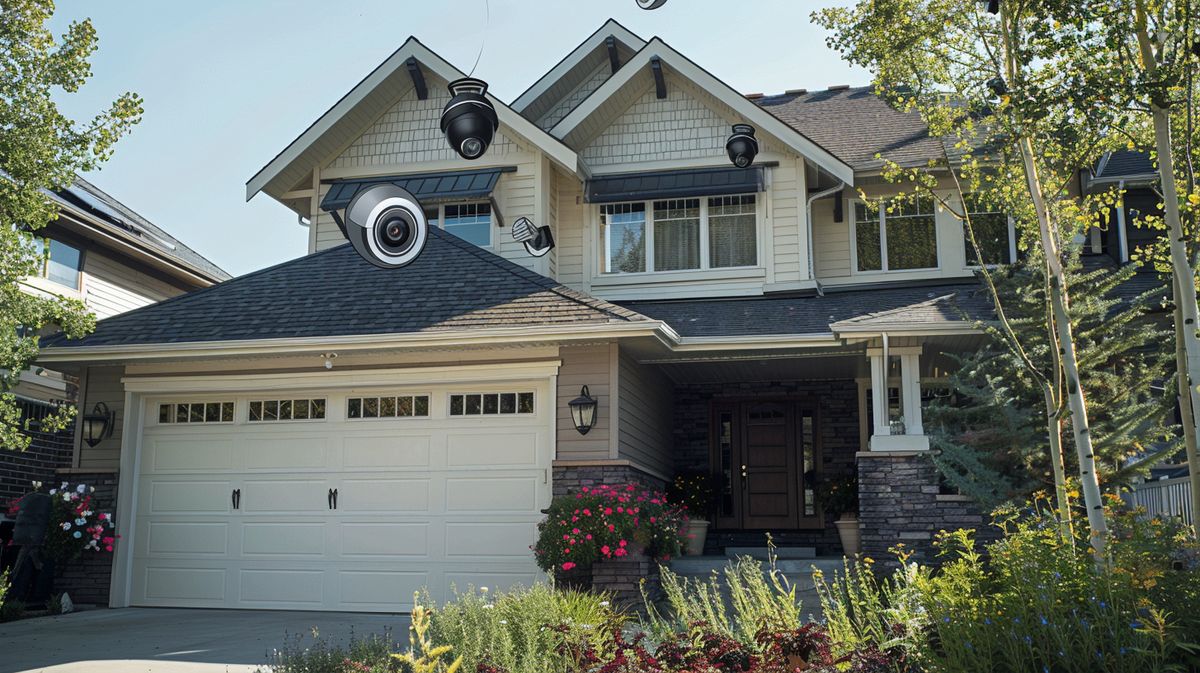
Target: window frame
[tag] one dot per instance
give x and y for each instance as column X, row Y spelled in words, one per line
column 1012, row 238
column 44, row 271
column 440, row 209
column 852, row 221
column 362, row 397
column 601, row 232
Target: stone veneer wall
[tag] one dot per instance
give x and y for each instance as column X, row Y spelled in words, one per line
column 569, row 478
column 87, row 579
column 837, row 401
column 901, row 501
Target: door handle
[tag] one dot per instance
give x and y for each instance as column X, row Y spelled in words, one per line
column 743, row 474
column 236, row 498
column 335, row 495
column 329, row 498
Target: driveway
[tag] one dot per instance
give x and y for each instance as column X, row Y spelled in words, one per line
column 167, row 640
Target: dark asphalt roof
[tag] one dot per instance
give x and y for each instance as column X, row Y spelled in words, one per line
column 814, row 314
column 855, row 124
column 453, row 285
column 91, row 199
column 1124, row 163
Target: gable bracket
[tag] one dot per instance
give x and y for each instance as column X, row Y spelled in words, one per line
column 418, row 78
column 660, row 84
column 614, row 60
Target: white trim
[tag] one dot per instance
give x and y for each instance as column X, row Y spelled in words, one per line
column 887, row 443
column 849, row 213
column 585, row 49
column 120, row 584
column 1122, row 229
column 744, row 108
column 412, row 48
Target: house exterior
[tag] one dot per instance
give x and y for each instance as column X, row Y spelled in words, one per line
column 114, row 260
column 324, row 434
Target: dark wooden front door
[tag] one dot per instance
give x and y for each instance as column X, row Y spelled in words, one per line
column 765, row 453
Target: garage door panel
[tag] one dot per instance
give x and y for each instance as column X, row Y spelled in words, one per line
column 386, row 451
column 380, row 589
column 366, row 540
column 177, row 496
column 281, row 588
column 383, row 495
column 185, row 453
column 192, row 587
column 193, row 539
column 285, row 496
column 477, row 539
column 285, row 453
column 483, row 494
column 495, row 580
column 283, row 539
column 492, row 449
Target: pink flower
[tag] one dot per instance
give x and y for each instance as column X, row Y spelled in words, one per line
column 608, row 511
column 652, row 519
column 589, row 536
column 566, row 537
column 622, row 543
column 619, row 552
column 575, row 531
column 566, row 566
column 587, row 512
column 629, row 488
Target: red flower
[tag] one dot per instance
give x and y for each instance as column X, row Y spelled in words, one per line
column 566, row 566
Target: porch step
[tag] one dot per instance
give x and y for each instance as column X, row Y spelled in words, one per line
column 764, row 553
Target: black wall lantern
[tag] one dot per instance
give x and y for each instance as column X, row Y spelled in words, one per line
column 469, row 120
column 98, row 425
column 742, row 146
column 583, row 411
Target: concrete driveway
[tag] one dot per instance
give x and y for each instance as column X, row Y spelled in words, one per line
column 163, row 640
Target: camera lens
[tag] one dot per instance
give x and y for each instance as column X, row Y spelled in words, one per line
column 394, row 231
column 742, row 161
column 472, row 148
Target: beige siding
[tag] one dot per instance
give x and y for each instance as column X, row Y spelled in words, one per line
column 786, row 222
column 677, row 127
column 103, row 384
column 645, row 415
column 831, row 242
column 572, row 219
column 592, row 366
column 594, row 79
column 110, row 286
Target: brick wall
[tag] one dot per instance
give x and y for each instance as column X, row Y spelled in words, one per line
column 47, row 453
column 900, row 501
column 87, row 579
column 837, row 401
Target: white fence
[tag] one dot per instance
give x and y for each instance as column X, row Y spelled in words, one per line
column 1166, row 497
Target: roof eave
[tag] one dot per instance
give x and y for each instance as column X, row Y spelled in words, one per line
column 593, row 41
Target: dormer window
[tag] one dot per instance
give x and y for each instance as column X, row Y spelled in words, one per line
column 63, row 263
column 897, row 235
column 690, row 234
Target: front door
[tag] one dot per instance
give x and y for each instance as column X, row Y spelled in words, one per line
column 766, row 455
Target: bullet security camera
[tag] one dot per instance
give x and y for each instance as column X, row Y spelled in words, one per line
column 469, row 120
column 386, row 225
column 742, row 146
column 651, row 4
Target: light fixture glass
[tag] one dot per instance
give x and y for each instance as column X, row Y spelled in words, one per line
column 583, row 411
column 98, row 425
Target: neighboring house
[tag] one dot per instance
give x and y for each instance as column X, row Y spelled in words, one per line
column 323, row 434
column 114, row 260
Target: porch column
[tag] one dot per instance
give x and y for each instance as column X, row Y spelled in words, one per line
column 913, row 437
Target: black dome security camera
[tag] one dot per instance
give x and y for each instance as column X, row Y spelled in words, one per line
column 469, row 121
column 386, row 225
column 742, row 146
column 651, row 4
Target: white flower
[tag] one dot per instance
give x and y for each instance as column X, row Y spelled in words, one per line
column 489, row 606
column 77, row 535
column 91, row 489
column 53, row 491
column 66, row 525
column 67, row 497
column 63, row 486
column 37, row 485
column 483, row 590
column 81, row 522
column 81, row 488
column 603, row 604
column 504, row 621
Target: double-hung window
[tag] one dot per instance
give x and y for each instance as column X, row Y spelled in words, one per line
column 61, row 262
column 471, row 222
column 993, row 231
column 896, row 235
column 679, row 234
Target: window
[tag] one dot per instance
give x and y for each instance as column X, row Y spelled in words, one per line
column 679, row 234
column 491, row 404
column 895, row 236
column 471, row 222
column 992, row 231
column 286, row 410
column 388, row 406
column 196, row 412
column 63, row 263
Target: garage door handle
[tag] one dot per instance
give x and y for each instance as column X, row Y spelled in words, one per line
column 335, row 494
column 329, row 498
column 236, row 497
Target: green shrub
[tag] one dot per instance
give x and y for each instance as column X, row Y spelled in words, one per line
column 524, row 630
column 866, row 614
column 318, row 655
column 737, row 603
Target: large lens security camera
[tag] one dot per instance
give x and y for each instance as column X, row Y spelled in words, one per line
column 386, row 225
column 742, row 146
column 469, row 120
column 651, row 4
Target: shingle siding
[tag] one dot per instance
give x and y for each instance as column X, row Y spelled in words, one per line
column 676, row 127
column 599, row 75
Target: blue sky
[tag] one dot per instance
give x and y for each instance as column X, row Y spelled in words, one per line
column 229, row 83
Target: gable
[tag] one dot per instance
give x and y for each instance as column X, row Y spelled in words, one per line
column 590, row 83
column 409, row 132
column 678, row 127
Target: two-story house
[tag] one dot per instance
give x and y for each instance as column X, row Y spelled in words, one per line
column 114, row 260
column 324, row 434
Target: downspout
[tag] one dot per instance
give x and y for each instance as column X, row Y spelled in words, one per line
column 1122, row 236
column 808, row 225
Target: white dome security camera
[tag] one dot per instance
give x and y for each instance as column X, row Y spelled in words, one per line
column 386, row 225
column 742, row 146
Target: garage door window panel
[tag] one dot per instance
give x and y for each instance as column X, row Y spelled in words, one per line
column 388, row 406
column 491, row 404
column 195, row 412
column 286, row 410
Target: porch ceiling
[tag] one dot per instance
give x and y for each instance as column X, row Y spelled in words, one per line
column 841, row 364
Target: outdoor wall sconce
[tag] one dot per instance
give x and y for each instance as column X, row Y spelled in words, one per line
column 98, row 425
column 469, row 120
column 742, row 146
column 583, row 411
column 651, row 4
column 538, row 241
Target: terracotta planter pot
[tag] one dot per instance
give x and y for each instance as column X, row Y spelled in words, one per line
column 851, row 535
column 697, row 531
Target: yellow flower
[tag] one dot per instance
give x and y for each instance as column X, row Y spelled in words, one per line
column 1194, row 199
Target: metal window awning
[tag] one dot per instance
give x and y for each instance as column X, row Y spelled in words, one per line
column 427, row 187
column 675, row 184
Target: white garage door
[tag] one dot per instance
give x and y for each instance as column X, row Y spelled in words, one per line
column 341, row 500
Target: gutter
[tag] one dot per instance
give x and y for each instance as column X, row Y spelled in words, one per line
column 809, row 231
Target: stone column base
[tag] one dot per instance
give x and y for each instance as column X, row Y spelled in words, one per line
column 623, row 577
